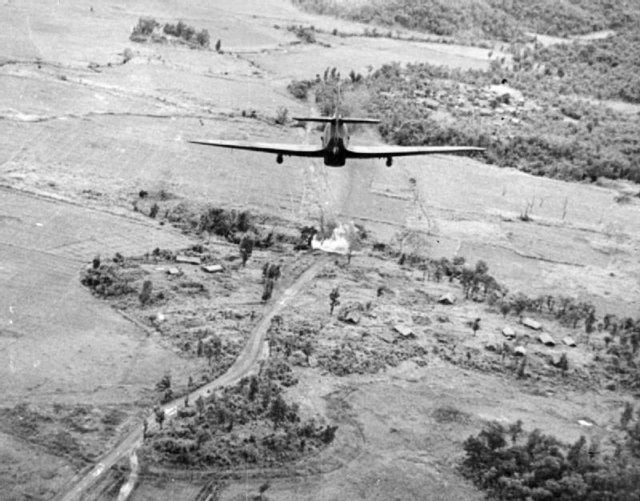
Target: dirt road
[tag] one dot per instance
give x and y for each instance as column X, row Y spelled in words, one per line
column 246, row 364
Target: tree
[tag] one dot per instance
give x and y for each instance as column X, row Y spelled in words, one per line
column 160, row 416
column 514, row 430
column 334, row 299
column 145, row 293
column 200, row 405
column 563, row 364
column 627, row 414
column 203, row 38
column 219, row 45
column 268, row 290
column 253, row 388
column 246, row 248
column 522, row 368
column 278, row 410
column 153, row 212
column 96, row 262
column 475, row 326
column 505, row 307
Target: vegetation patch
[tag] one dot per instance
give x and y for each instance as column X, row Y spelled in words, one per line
column 508, row 465
column 150, row 30
column 494, row 19
column 249, row 424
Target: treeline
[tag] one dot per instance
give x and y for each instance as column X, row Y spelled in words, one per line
column 608, row 68
column 561, row 137
column 495, row 19
column 510, row 464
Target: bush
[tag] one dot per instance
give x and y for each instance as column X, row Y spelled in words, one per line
column 145, row 293
column 145, row 26
column 543, row 468
column 282, row 115
column 300, row 88
column 203, row 39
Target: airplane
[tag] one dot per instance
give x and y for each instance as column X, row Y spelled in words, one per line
column 335, row 148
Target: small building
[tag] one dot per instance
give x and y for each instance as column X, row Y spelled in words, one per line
column 404, row 331
column 546, row 339
column 508, row 332
column 212, row 268
column 520, row 351
column 532, row 324
column 569, row 341
column 182, row 258
column 447, row 298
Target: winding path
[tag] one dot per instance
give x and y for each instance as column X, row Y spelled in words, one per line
column 247, row 363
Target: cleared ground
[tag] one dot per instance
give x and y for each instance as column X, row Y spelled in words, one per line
column 96, row 136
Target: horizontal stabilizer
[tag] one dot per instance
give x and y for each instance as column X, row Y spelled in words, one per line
column 315, row 119
column 351, row 120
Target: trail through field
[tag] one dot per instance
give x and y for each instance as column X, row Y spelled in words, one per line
column 247, row 363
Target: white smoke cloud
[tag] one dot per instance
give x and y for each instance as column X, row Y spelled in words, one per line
column 343, row 239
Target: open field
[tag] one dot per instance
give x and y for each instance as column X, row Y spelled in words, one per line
column 81, row 134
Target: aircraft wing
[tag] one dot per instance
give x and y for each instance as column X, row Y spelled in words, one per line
column 402, row 151
column 300, row 150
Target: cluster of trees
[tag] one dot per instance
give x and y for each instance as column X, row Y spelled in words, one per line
column 496, row 19
column 562, row 137
column 304, row 34
column 249, row 423
column 110, row 279
column 147, row 27
column 509, row 465
column 603, row 68
column 226, row 223
column 270, row 275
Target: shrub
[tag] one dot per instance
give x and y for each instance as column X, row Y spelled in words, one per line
column 543, row 468
column 145, row 26
column 282, row 115
column 300, row 88
column 145, row 293
column 203, row 39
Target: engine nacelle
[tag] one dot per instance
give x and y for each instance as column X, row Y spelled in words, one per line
column 389, row 161
column 279, row 158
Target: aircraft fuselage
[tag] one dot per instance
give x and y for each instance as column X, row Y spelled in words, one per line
column 335, row 140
